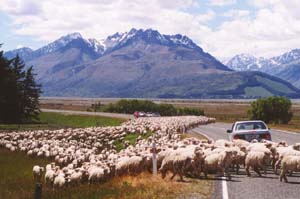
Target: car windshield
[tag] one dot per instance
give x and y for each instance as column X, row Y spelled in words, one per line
column 250, row 126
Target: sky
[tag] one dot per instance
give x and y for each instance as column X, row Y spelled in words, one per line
column 222, row 28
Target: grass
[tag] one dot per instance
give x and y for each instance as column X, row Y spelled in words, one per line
column 131, row 138
column 64, row 120
column 16, row 182
column 293, row 125
column 274, row 85
column 59, row 120
column 257, row 90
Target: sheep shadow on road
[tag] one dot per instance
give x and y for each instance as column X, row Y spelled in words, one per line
column 296, row 183
column 217, row 178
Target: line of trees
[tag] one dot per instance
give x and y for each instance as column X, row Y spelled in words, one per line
column 19, row 92
column 130, row 106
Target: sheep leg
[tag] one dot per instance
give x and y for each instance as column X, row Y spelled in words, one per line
column 237, row 168
column 181, row 177
column 277, row 166
column 283, row 175
column 205, row 171
column 247, row 171
column 174, row 174
column 163, row 174
column 257, row 171
column 273, row 163
column 264, row 168
column 222, row 172
column 228, row 173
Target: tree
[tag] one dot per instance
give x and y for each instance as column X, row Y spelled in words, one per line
column 19, row 92
column 6, row 87
column 30, row 101
column 272, row 109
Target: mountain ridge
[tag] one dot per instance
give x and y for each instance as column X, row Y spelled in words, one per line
column 144, row 63
column 285, row 66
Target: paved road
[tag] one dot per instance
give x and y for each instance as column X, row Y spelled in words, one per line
column 114, row 115
column 243, row 187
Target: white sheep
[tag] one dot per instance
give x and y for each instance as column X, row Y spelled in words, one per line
column 218, row 161
column 289, row 163
column 95, row 174
column 59, row 180
column 49, row 177
column 37, row 173
column 257, row 160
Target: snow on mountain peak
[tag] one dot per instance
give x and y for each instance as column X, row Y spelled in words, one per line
column 59, row 43
column 288, row 57
column 244, row 62
column 118, row 40
column 182, row 40
column 148, row 35
column 96, row 45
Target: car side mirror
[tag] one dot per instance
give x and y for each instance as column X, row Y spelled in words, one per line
column 269, row 128
column 229, row 131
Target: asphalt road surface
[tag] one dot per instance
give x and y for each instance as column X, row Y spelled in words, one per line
column 254, row 187
column 104, row 114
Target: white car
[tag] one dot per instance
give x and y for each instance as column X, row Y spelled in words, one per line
column 249, row 130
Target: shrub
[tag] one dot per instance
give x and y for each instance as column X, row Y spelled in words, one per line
column 130, row 106
column 271, row 110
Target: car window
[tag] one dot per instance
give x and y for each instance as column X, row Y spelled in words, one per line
column 250, row 126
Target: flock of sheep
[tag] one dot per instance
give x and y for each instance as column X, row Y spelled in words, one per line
column 89, row 155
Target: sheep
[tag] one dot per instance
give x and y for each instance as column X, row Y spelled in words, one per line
column 95, row 174
column 78, row 150
column 285, row 151
column 223, row 143
column 256, row 160
column 37, row 173
column 180, row 161
column 76, row 177
column 289, row 163
column 49, row 177
column 59, row 180
column 135, row 164
column 122, row 165
column 218, row 161
column 241, row 143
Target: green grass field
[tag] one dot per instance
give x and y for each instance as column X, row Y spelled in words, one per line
column 132, row 139
column 16, row 182
column 59, row 120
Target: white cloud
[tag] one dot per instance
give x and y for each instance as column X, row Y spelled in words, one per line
column 100, row 18
column 234, row 13
column 222, row 2
column 206, row 17
column 20, row 46
column 273, row 29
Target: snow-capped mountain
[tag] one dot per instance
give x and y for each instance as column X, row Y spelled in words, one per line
column 97, row 46
column 287, row 58
column 57, row 44
column 277, row 66
column 149, row 36
column 143, row 63
column 111, row 43
column 244, row 62
column 25, row 53
column 69, row 40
